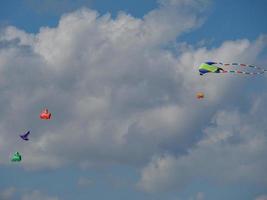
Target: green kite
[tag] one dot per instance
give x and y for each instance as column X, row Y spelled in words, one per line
column 16, row 157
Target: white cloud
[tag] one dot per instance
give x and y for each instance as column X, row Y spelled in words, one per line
column 12, row 193
column 37, row 195
column 199, row 196
column 7, row 194
column 103, row 80
column 85, row 182
column 262, row 197
column 232, row 150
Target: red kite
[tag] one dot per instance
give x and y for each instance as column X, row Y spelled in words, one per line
column 45, row 114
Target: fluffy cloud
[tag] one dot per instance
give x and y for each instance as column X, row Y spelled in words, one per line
column 37, row 195
column 13, row 193
column 233, row 149
column 199, row 196
column 118, row 97
column 85, row 182
column 262, row 197
column 8, row 193
column 103, row 80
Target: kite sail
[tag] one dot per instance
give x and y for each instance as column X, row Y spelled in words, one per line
column 200, row 95
column 25, row 136
column 16, row 157
column 216, row 67
column 45, row 114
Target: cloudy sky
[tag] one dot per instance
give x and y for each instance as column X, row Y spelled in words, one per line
column 120, row 78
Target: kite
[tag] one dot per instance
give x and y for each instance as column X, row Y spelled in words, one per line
column 25, row 136
column 216, row 67
column 16, row 157
column 200, row 95
column 45, row 114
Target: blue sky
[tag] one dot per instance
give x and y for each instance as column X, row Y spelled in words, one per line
column 227, row 20
column 231, row 20
column 30, row 17
column 130, row 89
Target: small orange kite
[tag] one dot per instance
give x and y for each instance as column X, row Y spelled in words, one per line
column 200, row 95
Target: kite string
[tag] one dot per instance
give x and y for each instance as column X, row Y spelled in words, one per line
column 241, row 65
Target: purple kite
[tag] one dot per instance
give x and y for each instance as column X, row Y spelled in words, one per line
column 25, row 136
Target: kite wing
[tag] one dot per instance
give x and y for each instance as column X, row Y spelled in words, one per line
column 45, row 114
column 16, row 157
column 27, row 134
